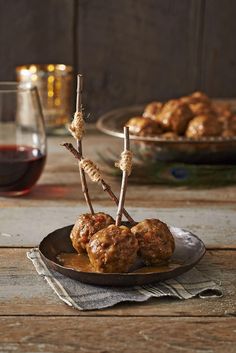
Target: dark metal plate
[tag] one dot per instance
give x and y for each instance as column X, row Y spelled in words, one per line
column 189, row 249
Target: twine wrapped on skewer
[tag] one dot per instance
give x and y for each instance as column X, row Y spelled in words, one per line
column 105, row 186
column 76, row 127
column 125, row 162
column 91, row 169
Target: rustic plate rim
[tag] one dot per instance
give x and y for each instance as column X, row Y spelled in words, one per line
column 136, row 275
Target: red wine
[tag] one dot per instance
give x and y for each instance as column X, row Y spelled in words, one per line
column 20, row 167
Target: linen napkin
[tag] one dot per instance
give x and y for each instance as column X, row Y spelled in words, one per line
column 89, row 297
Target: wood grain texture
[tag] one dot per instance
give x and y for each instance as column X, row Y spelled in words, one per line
column 60, row 184
column 24, row 292
column 103, row 335
column 20, row 230
column 33, row 31
column 218, row 50
column 136, row 51
column 129, row 50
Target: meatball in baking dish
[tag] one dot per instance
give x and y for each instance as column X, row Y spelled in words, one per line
column 152, row 110
column 202, row 108
column 87, row 225
column 156, row 243
column 204, row 125
column 175, row 116
column 141, row 126
column 229, row 126
column 112, row 249
column 196, row 97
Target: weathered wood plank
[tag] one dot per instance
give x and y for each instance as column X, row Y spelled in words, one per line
column 23, row 292
column 27, row 226
column 35, row 32
column 65, row 177
column 115, row 335
column 218, row 52
column 59, row 184
column 136, row 51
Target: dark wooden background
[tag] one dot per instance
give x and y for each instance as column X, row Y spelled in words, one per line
column 130, row 51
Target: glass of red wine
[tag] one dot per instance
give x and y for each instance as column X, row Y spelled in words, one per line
column 22, row 138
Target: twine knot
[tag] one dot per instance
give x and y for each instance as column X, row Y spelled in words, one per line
column 76, row 127
column 125, row 162
column 91, row 169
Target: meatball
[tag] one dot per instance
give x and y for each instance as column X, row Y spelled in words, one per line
column 156, row 243
column 228, row 133
column 229, row 126
column 175, row 116
column 204, row 125
column 202, row 108
column 87, row 225
column 112, row 249
column 232, row 123
column 152, row 110
column 141, row 126
column 225, row 116
column 196, row 97
column 199, row 97
column 222, row 110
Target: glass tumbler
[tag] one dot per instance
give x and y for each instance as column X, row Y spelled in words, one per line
column 22, row 138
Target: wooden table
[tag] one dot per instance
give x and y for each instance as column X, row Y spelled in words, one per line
column 33, row 319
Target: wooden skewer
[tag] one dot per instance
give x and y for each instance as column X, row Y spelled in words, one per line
column 106, row 187
column 79, row 144
column 124, row 180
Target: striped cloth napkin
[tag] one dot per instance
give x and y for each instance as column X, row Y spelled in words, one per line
column 88, row 297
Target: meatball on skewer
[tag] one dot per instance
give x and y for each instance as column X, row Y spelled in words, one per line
column 86, row 226
column 156, row 243
column 114, row 249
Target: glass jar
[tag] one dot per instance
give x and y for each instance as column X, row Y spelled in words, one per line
column 54, row 83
